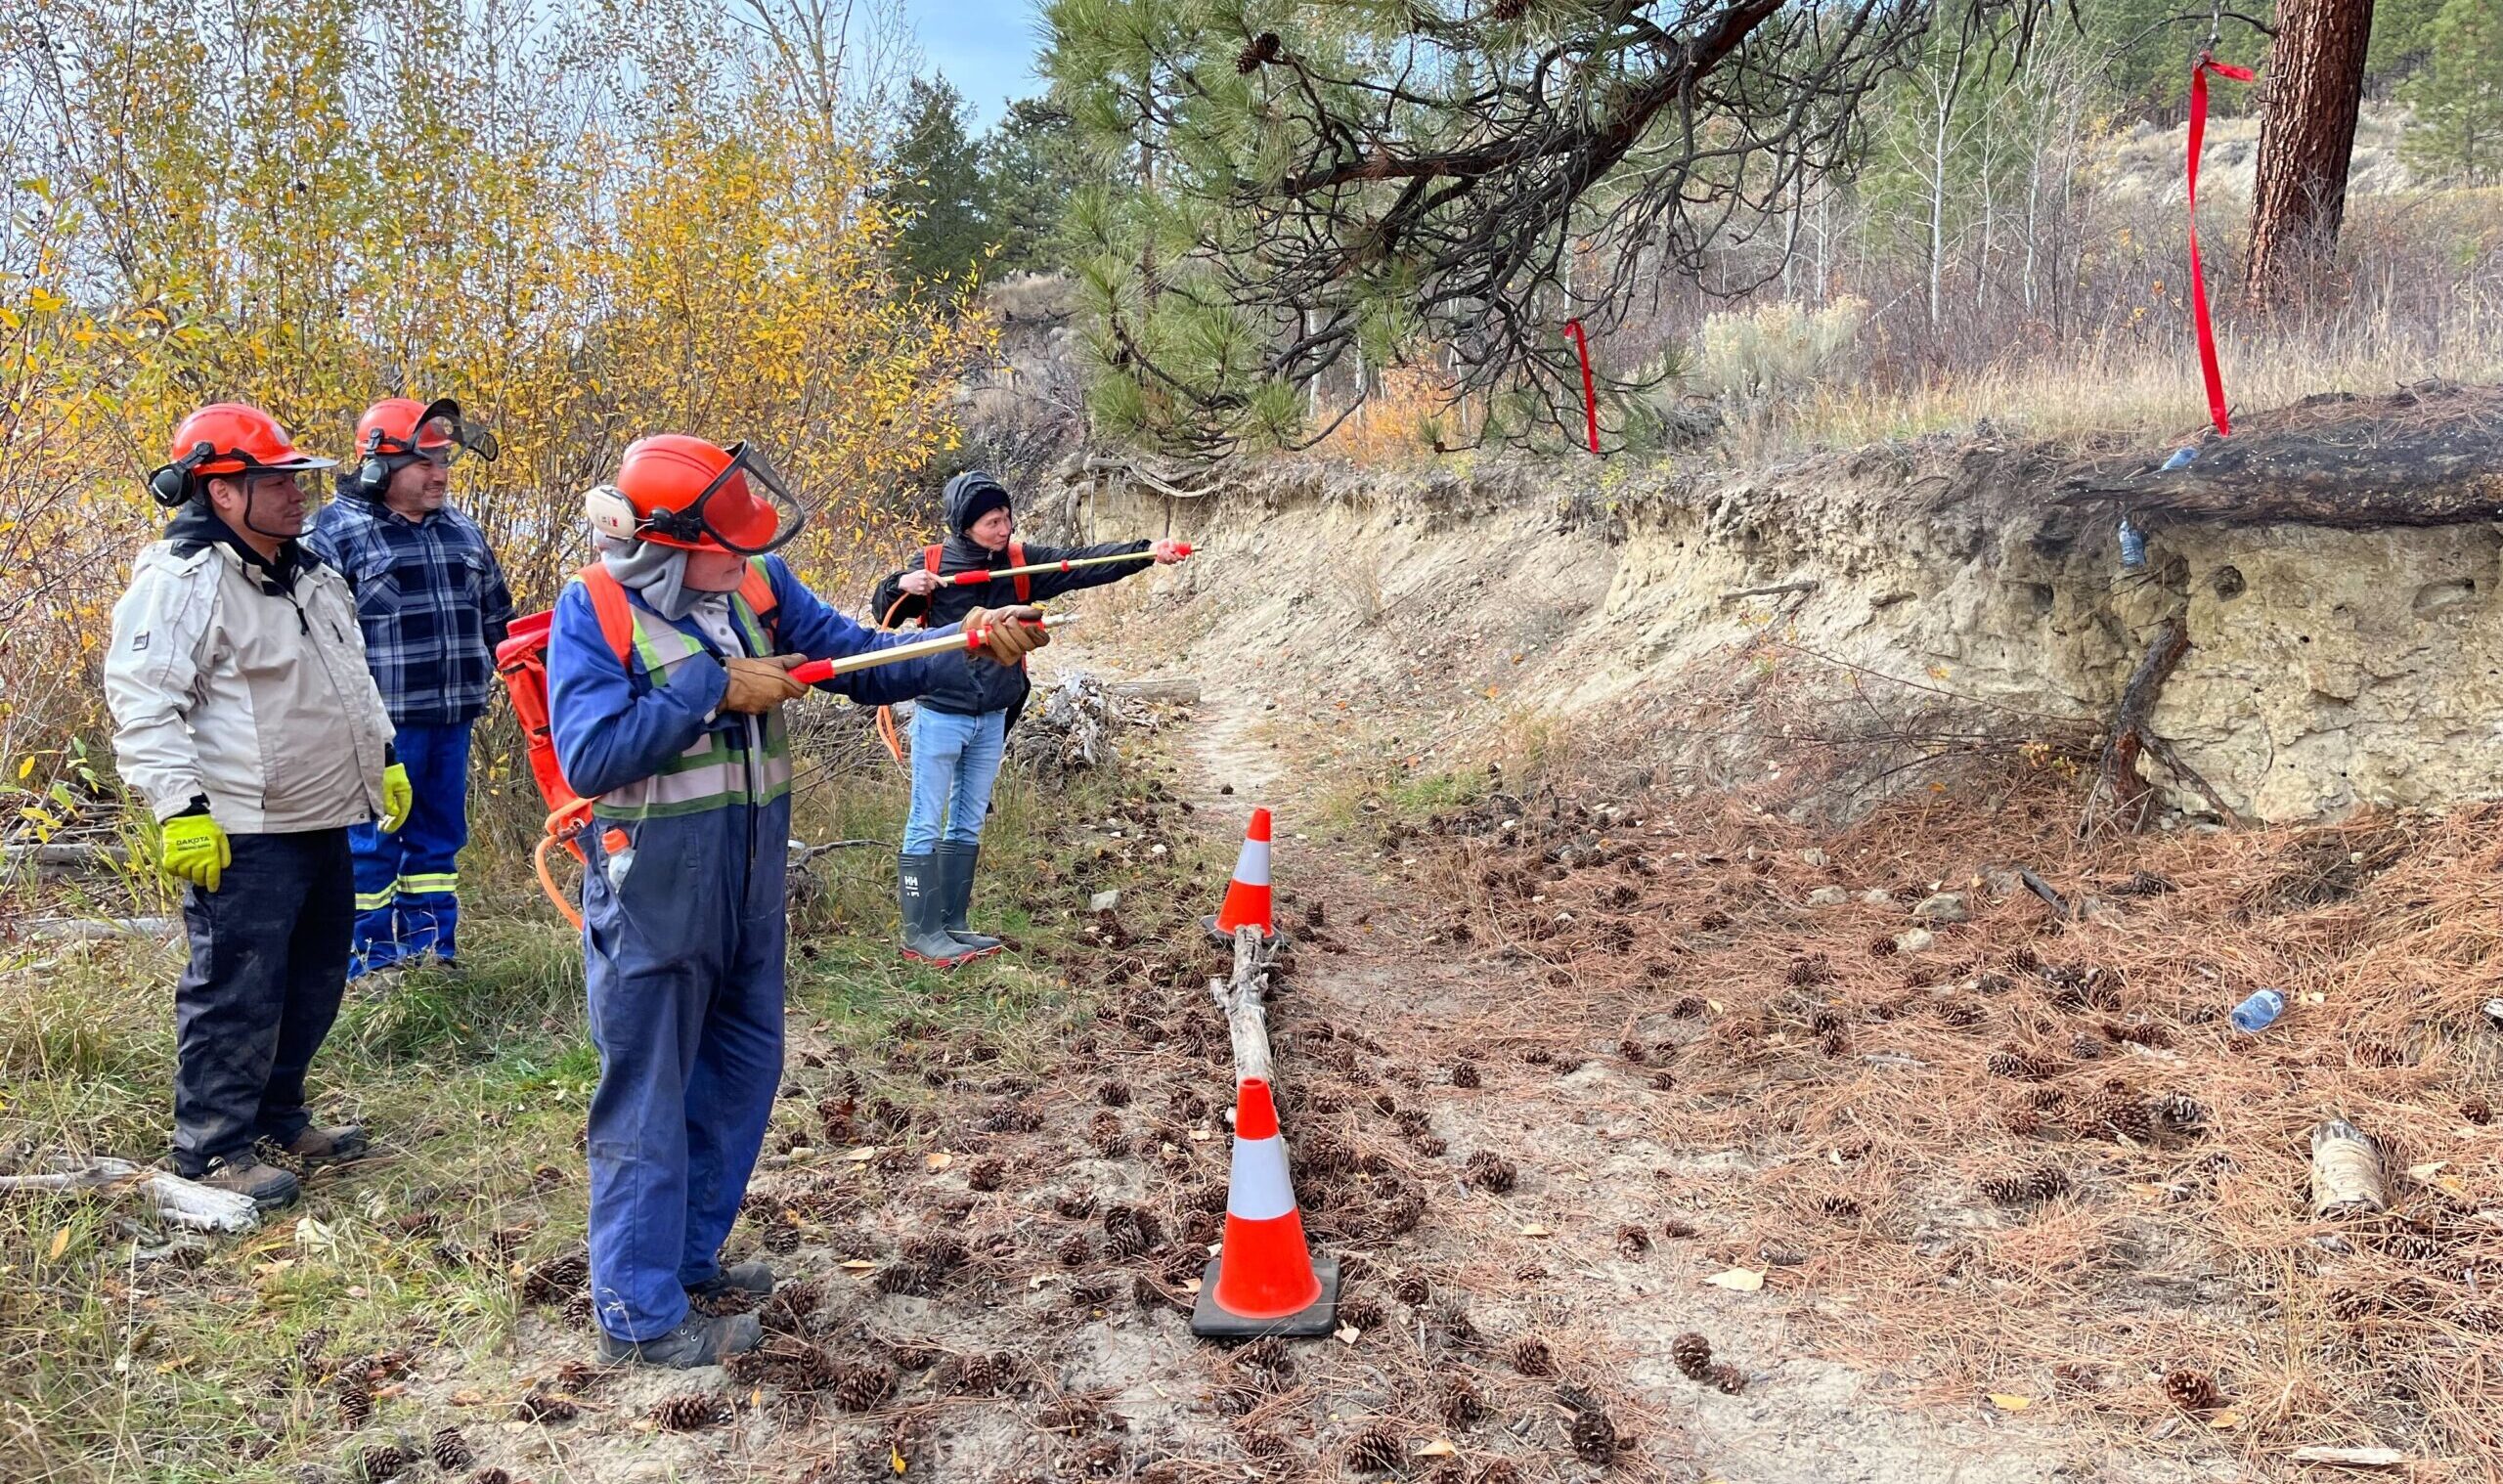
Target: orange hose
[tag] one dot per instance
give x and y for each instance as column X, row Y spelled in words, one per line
column 887, row 713
column 547, row 879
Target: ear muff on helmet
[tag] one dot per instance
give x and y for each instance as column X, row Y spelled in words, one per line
column 611, row 512
column 171, row 484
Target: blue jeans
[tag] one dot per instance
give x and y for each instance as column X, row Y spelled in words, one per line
column 406, row 905
column 955, row 761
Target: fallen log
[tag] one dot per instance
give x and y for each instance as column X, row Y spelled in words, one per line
column 1242, row 1003
column 2427, row 455
column 180, row 1201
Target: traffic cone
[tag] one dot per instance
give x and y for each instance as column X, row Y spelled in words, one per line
column 1264, row 1278
column 1247, row 896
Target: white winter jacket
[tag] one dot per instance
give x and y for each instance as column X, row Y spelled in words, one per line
column 224, row 685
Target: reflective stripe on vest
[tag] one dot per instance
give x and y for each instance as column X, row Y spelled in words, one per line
column 712, row 773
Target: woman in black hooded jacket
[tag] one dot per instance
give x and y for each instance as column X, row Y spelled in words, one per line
column 960, row 723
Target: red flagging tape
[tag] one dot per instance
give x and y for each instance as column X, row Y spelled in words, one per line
column 1590, row 392
column 2198, row 280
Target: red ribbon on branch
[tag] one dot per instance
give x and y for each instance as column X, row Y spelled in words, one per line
column 1590, row 392
column 2199, row 71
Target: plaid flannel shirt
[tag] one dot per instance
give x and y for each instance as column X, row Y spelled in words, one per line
column 431, row 601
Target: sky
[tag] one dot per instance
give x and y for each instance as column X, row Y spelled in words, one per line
column 985, row 47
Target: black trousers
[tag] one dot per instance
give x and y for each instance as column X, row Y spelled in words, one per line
column 269, row 961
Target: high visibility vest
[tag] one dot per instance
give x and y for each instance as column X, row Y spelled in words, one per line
column 718, row 770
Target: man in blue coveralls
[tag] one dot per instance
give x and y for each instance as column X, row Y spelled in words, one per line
column 668, row 662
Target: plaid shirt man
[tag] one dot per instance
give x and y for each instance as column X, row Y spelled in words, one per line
column 432, row 599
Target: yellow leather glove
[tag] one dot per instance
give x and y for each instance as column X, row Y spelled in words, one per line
column 191, row 847
column 397, row 798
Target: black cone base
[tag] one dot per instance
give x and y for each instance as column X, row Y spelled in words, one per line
column 1209, row 1322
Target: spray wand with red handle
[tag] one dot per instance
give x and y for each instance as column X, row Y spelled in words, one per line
column 816, row 670
column 977, row 575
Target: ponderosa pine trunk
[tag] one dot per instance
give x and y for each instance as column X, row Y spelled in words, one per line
column 2315, row 83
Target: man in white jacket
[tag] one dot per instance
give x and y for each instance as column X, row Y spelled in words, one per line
column 244, row 715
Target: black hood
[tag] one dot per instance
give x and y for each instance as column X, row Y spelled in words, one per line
column 968, row 498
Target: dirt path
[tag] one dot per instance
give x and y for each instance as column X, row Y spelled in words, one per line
column 1557, row 1256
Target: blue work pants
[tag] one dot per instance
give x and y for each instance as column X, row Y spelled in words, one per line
column 408, row 882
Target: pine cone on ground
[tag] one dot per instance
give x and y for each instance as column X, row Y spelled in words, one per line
column 546, row 1407
column 939, row 1254
column 2019, row 1065
column 1077, row 1252
column 1362, row 1313
column 1840, row 1209
column 1499, row 1471
column 986, row 1175
column 1375, row 1450
column 1687, row 1007
column 2025, row 1187
column 2476, row 1109
column 556, row 1278
column 1632, row 1242
column 449, row 1449
column 1594, row 1437
column 1730, row 1380
column 970, row 1376
column 909, row 1280
column 1692, row 1353
column 2117, row 1109
column 381, row 1462
column 861, row 1387
column 1530, row 1357
column 790, row 1305
column 1076, row 1205
column 1412, row 1290
column 491, row 1476
column 1677, row 1229
column 356, row 1402
column 1113, row 1093
column 1464, row 1074
column 690, row 1412
column 1664, row 1081
column 1491, row 1172
column 2191, row 1390
column 1462, row 1406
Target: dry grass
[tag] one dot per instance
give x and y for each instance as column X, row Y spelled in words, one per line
column 1858, row 1083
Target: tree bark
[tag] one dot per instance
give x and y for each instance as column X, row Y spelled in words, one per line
column 2307, row 136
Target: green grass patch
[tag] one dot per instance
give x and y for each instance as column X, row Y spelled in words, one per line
column 122, row 1358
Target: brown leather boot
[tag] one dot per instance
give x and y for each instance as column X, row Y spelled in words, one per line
column 266, row 1184
column 323, row 1145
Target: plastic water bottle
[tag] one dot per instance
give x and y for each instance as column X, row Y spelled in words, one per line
column 2256, row 1012
column 2133, row 547
column 2181, row 458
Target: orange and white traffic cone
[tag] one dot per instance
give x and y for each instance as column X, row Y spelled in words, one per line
column 1264, row 1280
column 1247, row 896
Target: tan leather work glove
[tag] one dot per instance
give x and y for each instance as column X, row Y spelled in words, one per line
column 756, row 687
column 1008, row 634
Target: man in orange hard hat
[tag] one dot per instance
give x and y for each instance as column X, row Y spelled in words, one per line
column 668, row 664
column 433, row 604
column 243, row 714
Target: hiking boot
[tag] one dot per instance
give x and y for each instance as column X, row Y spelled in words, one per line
column 739, row 1278
column 698, row 1340
column 918, row 904
column 266, row 1184
column 957, row 867
column 321, row 1145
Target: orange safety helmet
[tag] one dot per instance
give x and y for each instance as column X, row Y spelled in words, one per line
column 398, row 429
column 227, row 438
column 676, row 491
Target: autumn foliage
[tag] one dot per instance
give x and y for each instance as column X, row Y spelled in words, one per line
column 586, row 222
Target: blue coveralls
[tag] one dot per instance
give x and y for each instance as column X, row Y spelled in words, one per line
column 683, row 923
